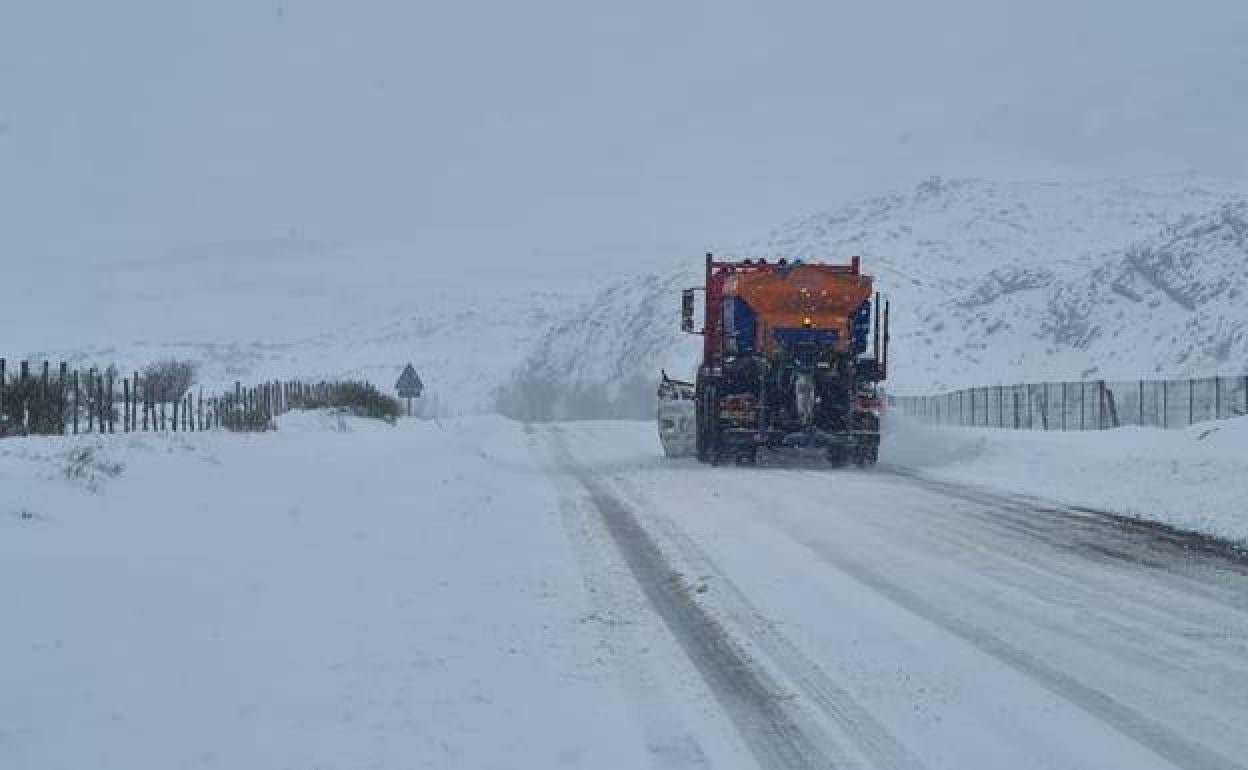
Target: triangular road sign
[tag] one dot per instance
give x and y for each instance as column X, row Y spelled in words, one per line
column 409, row 384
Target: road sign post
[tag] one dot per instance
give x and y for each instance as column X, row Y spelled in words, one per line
column 409, row 386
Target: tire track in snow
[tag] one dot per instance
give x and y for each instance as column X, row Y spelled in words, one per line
column 667, row 742
column 777, row 734
column 881, row 748
column 1161, row 740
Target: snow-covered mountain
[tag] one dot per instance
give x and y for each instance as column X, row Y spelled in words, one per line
column 990, row 282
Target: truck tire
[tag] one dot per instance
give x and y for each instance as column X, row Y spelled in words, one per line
column 708, row 425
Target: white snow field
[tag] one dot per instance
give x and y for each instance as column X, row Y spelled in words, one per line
column 481, row 593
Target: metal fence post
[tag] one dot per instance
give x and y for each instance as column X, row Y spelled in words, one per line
column 1191, row 401
column 1083, row 400
column 1165, row 404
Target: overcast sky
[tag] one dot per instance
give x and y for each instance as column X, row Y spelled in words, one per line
column 576, row 131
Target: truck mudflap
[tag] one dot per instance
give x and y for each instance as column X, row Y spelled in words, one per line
column 677, row 417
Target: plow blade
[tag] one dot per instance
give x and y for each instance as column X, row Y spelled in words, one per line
column 677, row 417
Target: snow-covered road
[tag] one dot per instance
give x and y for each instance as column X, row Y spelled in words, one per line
column 484, row 594
column 878, row 620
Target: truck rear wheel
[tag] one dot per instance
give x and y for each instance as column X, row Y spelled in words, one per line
column 708, row 425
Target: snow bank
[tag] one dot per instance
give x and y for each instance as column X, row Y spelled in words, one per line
column 1194, row 479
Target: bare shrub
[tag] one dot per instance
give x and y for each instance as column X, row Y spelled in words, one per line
column 169, row 380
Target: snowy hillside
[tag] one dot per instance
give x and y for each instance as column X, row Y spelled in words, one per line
column 604, row 359
column 253, row 310
column 990, row 282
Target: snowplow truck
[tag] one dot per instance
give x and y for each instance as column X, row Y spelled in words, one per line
column 793, row 354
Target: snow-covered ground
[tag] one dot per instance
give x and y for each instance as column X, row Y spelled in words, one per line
column 1195, row 479
column 478, row 593
column 331, row 595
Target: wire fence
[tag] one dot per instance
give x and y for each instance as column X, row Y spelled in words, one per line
column 1084, row 405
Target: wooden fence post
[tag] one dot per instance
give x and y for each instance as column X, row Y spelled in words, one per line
column 25, row 403
column 42, row 425
column 63, row 399
column 88, row 389
column 108, row 404
column 1141, row 403
column 2, row 384
column 77, row 401
column 1191, row 401
column 100, row 404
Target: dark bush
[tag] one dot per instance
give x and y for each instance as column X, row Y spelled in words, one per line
column 167, row 381
column 361, row 399
column 29, row 408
